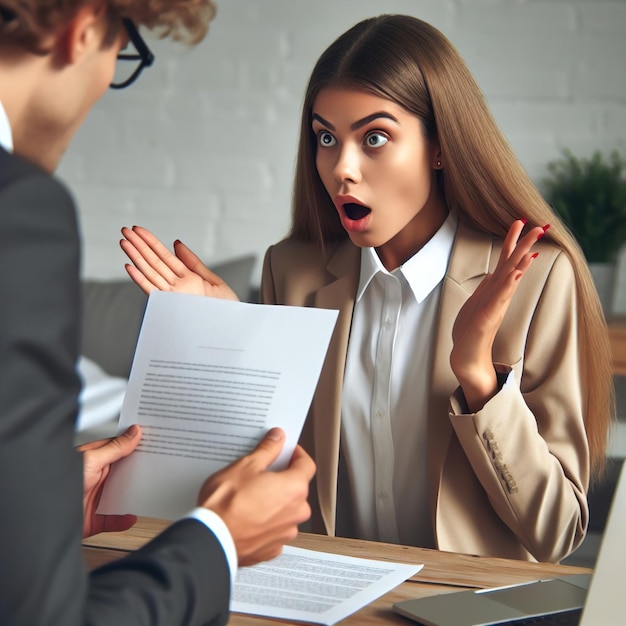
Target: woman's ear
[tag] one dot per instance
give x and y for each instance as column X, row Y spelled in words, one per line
column 437, row 157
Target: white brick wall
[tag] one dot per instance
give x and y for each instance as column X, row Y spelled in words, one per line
column 202, row 147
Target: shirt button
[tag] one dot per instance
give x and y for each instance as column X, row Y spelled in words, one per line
column 380, row 413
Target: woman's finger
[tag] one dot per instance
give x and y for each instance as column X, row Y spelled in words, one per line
column 524, row 246
column 142, row 256
column 149, row 252
column 156, row 247
column 194, row 264
column 510, row 242
column 155, row 278
column 140, row 280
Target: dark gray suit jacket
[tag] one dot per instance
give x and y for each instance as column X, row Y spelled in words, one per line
column 181, row 577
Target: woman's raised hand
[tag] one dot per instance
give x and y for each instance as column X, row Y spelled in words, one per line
column 154, row 267
column 480, row 317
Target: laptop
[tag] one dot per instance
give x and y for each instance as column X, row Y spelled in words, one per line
column 584, row 600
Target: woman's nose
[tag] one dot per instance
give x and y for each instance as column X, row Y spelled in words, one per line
column 347, row 167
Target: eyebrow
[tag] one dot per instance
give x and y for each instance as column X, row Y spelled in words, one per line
column 359, row 123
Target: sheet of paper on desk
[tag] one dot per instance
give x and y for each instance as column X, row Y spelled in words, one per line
column 310, row 586
column 210, row 377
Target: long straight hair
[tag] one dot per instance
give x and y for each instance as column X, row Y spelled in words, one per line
column 411, row 63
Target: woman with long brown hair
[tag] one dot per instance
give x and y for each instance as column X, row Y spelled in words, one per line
column 467, row 392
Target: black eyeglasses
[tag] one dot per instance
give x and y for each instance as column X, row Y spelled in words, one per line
column 143, row 55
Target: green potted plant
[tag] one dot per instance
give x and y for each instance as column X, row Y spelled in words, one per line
column 589, row 194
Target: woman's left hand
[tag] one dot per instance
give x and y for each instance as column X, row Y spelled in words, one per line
column 480, row 317
column 98, row 456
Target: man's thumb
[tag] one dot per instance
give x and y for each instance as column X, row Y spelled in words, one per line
column 121, row 446
column 269, row 448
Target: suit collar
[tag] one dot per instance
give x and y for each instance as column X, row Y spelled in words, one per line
column 474, row 261
column 471, row 255
column 344, row 259
column 423, row 271
column 343, row 265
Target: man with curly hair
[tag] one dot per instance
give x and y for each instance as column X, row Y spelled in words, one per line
column 57, row 58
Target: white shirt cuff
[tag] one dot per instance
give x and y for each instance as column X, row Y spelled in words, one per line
column 217, row 526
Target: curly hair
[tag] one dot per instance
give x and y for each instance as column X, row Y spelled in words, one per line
column 27, row 22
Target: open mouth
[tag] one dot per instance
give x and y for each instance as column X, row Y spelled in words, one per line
column 356, row 211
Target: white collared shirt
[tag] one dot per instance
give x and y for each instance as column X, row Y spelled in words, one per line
column 385, row 392
column 6, row 137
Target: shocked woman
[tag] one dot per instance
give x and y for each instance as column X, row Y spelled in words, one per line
column 466, row 395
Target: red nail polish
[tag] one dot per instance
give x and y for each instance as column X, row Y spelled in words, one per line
column 534, row 256
column 545, row 228
column 524, row 220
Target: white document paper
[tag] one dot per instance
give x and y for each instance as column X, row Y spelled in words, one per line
column 210, row 377
column 309, row 586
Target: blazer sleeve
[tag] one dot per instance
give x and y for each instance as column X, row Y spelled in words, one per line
column 528, row 446
column 182, row 577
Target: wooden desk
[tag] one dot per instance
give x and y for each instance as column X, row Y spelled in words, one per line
column 442, row 572
column 617, row 337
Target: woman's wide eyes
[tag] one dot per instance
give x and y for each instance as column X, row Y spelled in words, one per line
column 326, row 140
column 375, row 140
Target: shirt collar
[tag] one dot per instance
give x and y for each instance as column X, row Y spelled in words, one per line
column 6, row 137
column 423, row 271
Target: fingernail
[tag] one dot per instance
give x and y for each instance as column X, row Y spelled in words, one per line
column 541, row 234
column 276, row 434
column 177, row 242
column 534, row 256
column 524, row 220
column 132, row 430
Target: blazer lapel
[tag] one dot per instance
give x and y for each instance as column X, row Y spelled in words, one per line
column 469, row 263
column 338, row 294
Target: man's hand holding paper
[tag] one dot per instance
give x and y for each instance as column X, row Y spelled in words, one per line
column 261, row 509
column 210, row 378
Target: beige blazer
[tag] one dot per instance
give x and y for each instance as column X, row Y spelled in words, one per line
column 508, row 481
